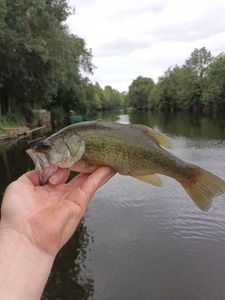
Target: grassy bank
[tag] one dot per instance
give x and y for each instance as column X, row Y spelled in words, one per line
column 9, row 122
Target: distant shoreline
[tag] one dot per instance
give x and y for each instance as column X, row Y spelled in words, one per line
column 18, row 133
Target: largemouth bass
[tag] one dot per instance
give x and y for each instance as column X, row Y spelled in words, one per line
column 134, row 150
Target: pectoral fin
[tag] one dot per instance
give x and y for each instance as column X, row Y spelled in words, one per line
column 159, row 137
column 151, row 179
column 82, row 166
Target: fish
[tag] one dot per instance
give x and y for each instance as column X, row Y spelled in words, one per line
column 130, row 149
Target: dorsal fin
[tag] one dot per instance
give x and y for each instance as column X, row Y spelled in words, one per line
column 159, row 137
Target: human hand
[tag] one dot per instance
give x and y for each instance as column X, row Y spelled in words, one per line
column 48, row 215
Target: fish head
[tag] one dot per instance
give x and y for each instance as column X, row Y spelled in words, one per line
column 56, row 151
column 60, row 150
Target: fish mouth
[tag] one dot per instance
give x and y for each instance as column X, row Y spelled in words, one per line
column 41, row 163
column 39, row 158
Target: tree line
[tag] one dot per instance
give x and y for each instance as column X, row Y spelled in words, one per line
column 197, row 85
column 42, row 65
column 41, row 62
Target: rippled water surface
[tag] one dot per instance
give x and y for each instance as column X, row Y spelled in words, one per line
column 142, row 242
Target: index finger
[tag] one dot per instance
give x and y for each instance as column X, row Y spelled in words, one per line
column 88, row 187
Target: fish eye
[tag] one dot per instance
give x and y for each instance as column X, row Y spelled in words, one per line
column 44, row 145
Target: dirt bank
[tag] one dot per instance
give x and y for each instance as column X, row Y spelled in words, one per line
column 19, row 132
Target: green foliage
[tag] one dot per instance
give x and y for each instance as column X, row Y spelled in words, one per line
column 57, row 116
column 41, row 62
column 9, row 121
column 197, row 85
column 111, row 98
column 38, row 54
column 85, row 97
column 199, row 61
column 177, row 89
column 41, row 66
column 213, row 95
column 140, row 92
column 2, row 15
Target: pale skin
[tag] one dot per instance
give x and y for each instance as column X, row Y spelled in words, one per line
column 36, row 221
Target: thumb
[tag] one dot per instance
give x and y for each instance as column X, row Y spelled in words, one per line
column 30, row 178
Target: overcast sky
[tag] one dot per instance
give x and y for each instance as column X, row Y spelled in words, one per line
column 131, row 38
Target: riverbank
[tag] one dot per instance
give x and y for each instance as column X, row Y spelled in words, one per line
column 8, row 134
column 14, row 126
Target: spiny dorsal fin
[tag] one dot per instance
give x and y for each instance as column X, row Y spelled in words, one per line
column 159, row 137
column 151, row 179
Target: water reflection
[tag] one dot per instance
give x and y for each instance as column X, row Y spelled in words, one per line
column 182, row 124
column 14, row 163
column 106, row 115
column 68, row 279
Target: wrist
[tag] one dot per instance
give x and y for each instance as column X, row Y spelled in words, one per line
column 24, row 267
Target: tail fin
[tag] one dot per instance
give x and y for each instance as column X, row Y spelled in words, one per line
column 202, row 187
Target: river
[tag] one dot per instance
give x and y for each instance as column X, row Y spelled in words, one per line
column 138, row 241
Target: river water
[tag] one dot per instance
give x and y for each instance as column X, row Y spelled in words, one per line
column 138, row 241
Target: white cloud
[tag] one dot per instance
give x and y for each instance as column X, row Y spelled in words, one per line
column 132, row 38
column 121, row 46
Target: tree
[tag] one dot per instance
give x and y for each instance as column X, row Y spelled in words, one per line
column 199, row 61
column 2, row 15
column 214, row 85
column 140, row 91
column 39, row 57
column 112, row 99
column 177, row 90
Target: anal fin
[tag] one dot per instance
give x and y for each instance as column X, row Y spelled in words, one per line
column 151, row 179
